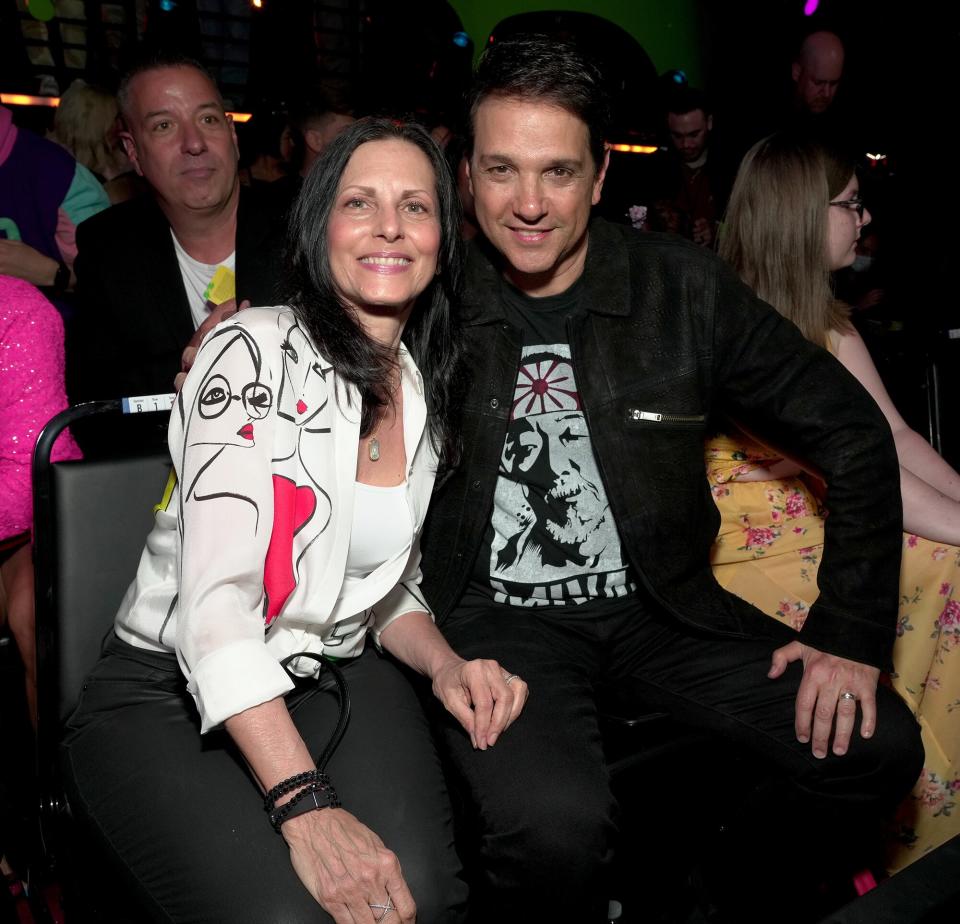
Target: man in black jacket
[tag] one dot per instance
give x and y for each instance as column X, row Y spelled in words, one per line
column 151, row 270
column 573, row 540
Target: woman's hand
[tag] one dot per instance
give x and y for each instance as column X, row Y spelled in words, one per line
column 342, row 863
column 482, row 696
column 346, row 868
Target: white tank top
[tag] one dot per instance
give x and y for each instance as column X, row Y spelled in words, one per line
column 381, row 527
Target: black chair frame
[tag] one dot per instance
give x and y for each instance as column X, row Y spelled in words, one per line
column 86, row 550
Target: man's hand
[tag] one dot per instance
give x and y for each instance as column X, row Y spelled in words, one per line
column 217, row 314
column 669, row 217
column 24, row 262
column 825, row 678
column 482, row 696
column 346, row 868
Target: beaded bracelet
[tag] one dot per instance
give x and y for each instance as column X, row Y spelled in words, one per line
column 322, row 784
column 290, row 784
column 310, row 782
column 310, row 799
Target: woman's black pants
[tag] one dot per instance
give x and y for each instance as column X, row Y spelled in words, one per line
column 185, row 821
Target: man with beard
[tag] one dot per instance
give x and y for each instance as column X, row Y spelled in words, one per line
column 553, row 537
column 573, row 541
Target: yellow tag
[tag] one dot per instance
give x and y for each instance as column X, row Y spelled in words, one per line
column 223, row 286
column 167, row 492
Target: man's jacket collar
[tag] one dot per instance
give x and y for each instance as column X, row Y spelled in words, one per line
column 606, row 279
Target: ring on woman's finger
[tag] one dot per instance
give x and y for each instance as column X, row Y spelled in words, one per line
column 846, row 694
column 383, row 908
column 510, row 678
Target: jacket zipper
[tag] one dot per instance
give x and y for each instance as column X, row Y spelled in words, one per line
column 650, row 415
column 635, row 414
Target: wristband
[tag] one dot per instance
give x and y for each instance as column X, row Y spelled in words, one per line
column 61, row 280
column 313, row 798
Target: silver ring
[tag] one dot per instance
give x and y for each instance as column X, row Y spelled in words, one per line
column 508, row 680
column 383, row 909
column 846, row 694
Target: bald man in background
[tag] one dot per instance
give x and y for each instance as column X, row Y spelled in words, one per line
column 817, row 72
column 808, row 104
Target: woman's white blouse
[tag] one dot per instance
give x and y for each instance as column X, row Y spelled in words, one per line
column 247, row 558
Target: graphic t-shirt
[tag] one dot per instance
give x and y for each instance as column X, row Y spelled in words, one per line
column 552, row 539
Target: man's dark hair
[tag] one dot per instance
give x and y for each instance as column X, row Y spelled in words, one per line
column 687, row 99
column 544, row 68
column 319, row 102
column 152, row 61
column 431, row 333
column 309, row 112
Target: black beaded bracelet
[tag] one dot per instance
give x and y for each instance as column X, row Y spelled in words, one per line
column 290, row 784
column 310, row 799
column 278, row 815
column 319, row 785
column 312, row 789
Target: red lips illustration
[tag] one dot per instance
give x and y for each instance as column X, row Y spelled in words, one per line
column 246, row 431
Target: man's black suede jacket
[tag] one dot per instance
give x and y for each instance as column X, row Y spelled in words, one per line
column 670, row 338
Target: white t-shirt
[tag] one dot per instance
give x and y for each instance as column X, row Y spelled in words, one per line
column 196, row 277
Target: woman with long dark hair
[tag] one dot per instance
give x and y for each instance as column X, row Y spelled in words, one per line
column 794, row 217
column 306, row 440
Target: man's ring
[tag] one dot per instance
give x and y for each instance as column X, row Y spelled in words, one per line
column 510, row 679
column 846, row 694
column 383, row 909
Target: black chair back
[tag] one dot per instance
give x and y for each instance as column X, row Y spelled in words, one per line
column 90, row 521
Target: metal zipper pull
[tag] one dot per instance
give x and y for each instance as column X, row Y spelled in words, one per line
column 636, row 414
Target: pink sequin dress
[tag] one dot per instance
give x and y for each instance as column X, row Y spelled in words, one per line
column 31, row 374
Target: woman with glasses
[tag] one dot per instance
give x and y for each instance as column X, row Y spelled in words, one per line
column 794, row 217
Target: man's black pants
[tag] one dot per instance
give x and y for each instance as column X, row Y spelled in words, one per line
column 541, row 795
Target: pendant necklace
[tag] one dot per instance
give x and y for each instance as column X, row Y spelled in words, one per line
column 373, row 444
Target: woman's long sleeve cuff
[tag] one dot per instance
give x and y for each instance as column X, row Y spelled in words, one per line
column 234, row 678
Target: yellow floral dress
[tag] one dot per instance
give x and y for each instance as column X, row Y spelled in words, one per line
column 768, row 551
